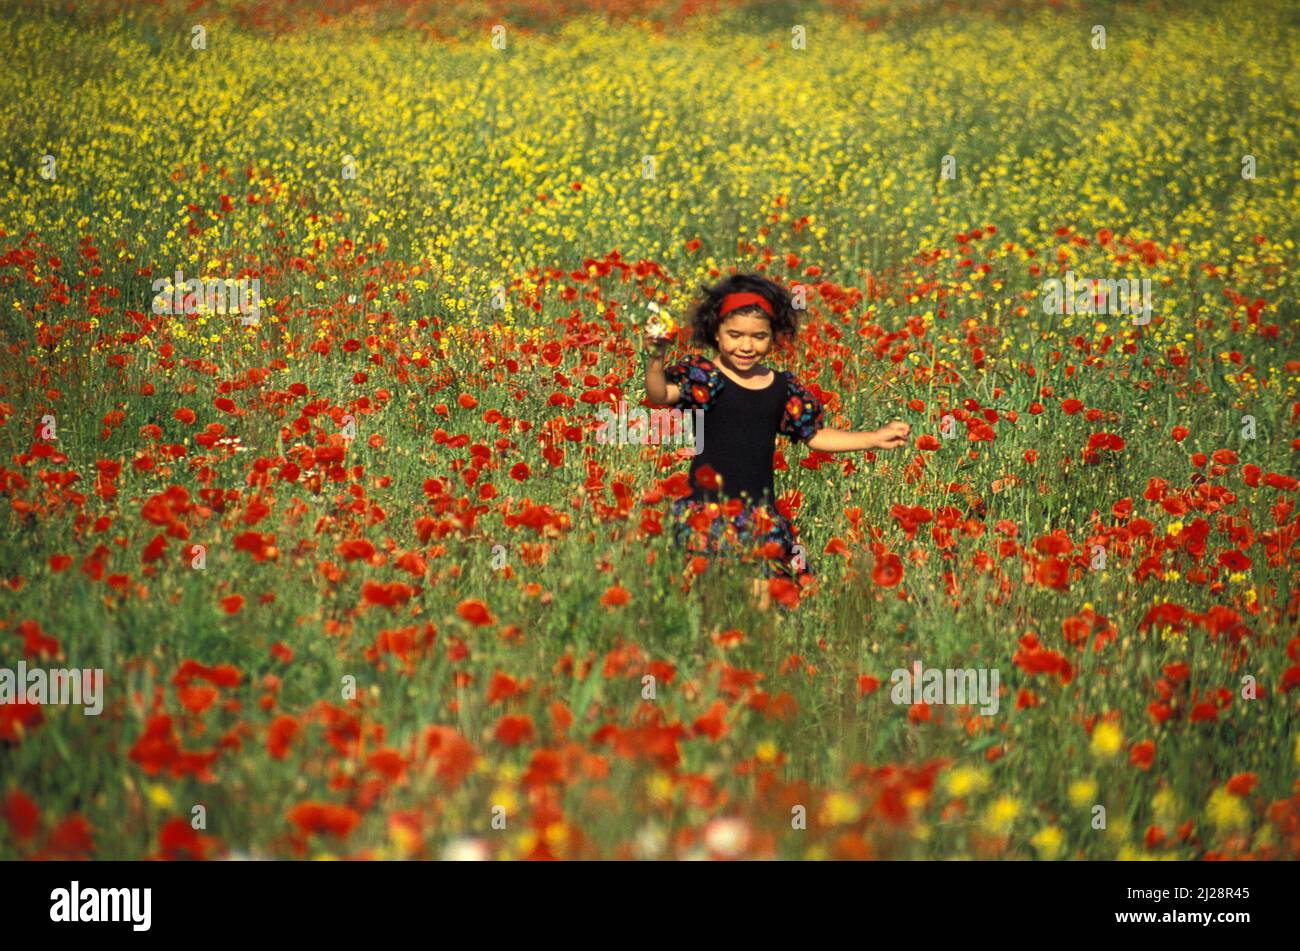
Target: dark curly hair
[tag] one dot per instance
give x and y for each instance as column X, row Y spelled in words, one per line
column 703, row 314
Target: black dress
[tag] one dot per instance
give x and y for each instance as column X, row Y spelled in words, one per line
column 731, row 508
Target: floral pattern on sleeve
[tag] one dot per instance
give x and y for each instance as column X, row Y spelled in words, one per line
column 700, row 382
column 804, row 414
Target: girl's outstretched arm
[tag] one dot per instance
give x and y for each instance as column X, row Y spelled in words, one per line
column 891, row 436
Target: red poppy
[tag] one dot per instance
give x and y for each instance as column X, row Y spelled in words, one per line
column 280, row 735
column 707, row 478
column 1242, row 783
column 1057, row 543
column 513, row 730
column 476, row 612
column 1053, row 573
column 1142, row 754
column 313, row 818
column 387, row 595
column 1159, row 712
column 615, row 596
column 888, row 570
column 18, row 718
column 712, row 724
column 1033, row 658
column 21, row 814
column 545, row 768
column 71, row 838
column 1155, row 837
column 36, row 643
column 453, row 755
column 197, row 699
column 223, row 675
column 261, row 547
column 387, row 762
column 356, row 549
column 1177, row 671
column 155, row 549
column 783, row 591
column 178, row 841
column 1234, row 560
column 157, row 746
column 561, row 718
column 501, row 687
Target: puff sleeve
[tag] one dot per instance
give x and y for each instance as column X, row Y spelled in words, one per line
column 699, row 380
column 804, row 414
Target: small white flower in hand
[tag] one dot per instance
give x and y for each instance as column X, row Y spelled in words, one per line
column 661, row 324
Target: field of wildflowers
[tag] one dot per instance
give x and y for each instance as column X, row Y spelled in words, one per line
column 362, row 583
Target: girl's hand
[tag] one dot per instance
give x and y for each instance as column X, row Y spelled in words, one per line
column 656, row 331
column 893, row 435
column 654, row 346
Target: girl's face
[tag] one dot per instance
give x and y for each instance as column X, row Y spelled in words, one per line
column 744, row 338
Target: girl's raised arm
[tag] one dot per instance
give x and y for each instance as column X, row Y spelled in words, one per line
column 657, row 388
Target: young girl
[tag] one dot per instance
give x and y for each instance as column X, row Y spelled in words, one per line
column 731, row 508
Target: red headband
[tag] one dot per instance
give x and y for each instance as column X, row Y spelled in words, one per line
column 736, row 301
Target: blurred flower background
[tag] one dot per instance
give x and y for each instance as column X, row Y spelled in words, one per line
column 364, row 585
